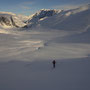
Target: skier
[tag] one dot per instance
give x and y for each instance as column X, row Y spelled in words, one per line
column 54, row 62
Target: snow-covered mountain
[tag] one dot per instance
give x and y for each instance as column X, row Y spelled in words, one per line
column 74, row 19
column 41, row 15
column 23, row 17
column 8, row 20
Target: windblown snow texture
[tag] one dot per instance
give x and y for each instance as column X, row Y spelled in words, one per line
column 29, row 44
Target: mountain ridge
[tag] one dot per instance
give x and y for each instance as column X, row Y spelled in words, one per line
column 73, row 19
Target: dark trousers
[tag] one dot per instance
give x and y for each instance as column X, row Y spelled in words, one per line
column 53, row 65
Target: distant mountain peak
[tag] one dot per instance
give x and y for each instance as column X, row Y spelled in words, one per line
column 72, row 19
column 41, row 15
column 45, row 13
column 8, row 20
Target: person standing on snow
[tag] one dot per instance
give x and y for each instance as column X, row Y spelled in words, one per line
column 54, row 63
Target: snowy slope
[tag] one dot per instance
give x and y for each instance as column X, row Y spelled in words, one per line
column 26, row 61
column 8, row 20
column 75, row 19
column 23, row 17
column 41, row 15
column 39, row 75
